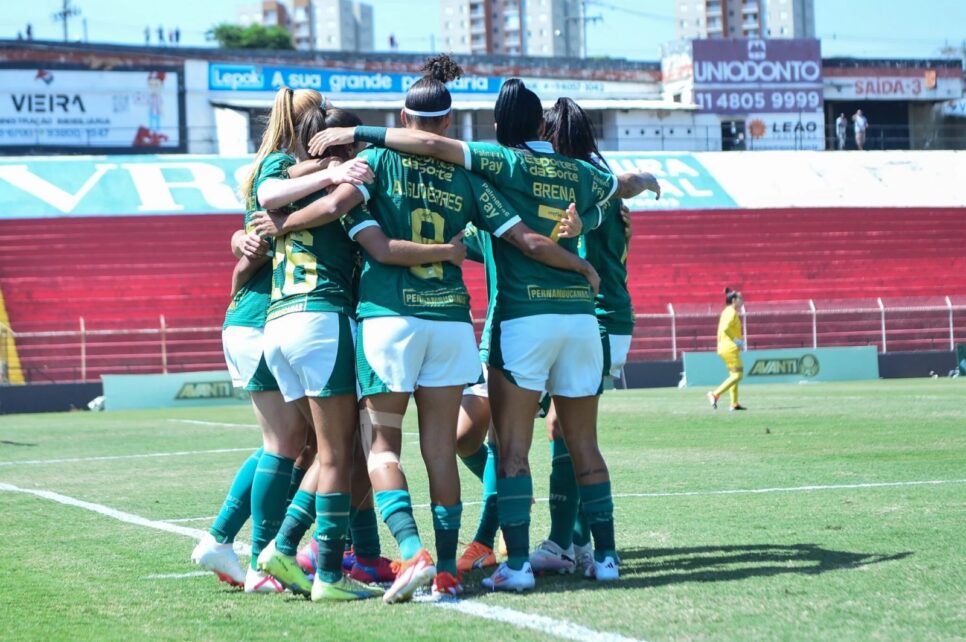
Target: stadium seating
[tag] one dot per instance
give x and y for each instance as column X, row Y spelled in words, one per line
column 840, row 258
column 125, row 273
column 121, row 274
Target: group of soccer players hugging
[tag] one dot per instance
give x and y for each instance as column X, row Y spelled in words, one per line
column 348, row 299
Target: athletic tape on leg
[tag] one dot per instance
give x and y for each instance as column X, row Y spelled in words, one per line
column 384, row 419
column 376, row 461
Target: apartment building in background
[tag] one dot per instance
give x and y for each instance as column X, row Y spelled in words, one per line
column 324, row 25
column 512, row 27
column 745, row 19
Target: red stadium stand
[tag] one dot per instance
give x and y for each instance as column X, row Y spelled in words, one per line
column 843, row 259
column 122, row 274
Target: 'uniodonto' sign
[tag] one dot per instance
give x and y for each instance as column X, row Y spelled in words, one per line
column 755, row 75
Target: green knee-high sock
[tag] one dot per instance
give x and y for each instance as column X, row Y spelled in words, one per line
column 489, row 516
column 298, row 519
column 237, row 507
column 396, row 508
column 446, row 522
column 563, row 495
column 477, row 462
column 514, row 495
column 331, row 521
column 298, row 474
column 365, row 535
column 598, row 506
column 269, row 487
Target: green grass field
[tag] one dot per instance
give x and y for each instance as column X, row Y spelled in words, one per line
column 831, row 511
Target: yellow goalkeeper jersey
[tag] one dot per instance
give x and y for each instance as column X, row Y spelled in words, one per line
column 729, row 329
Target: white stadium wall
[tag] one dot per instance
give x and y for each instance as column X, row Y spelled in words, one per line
column 37, row 186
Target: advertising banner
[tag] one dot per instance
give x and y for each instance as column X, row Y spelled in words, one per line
column 334, row 82
column 87, row 108
column 34, row 187
column 786, row 366
column 774, row 85
column 737, row 76
column 785, row 131
column 893, row 84
column 181, row 390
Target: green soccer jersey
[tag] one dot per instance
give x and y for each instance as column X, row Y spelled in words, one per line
column 605, row 247
column 423, row 200
column 313, row 269
column 479, row 248
column 249, row 306
column 541, row 184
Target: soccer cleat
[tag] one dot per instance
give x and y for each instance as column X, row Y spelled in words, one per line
column 475, row 556
column 220, row 559
column 413, row 574
column 284, row 568
column 381, row 572
column 584, row 558
column 445, row 585
column 738, row 406
column 344, row 590
column 258, row 582
column 713, row 400
column 308, row 556
column 506, row 579
column 607, row 571
column 548, row 557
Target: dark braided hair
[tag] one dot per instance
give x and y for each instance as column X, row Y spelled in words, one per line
column 518, row 114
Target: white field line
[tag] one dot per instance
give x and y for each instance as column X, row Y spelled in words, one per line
column 121, row 516
column 760, row 491
column 181, row 453
column 190, row 519
column 550, row 626
column 198, row 422
column 177, row 576
column 559, row 628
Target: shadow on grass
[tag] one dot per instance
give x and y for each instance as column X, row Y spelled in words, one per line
column 652, row 567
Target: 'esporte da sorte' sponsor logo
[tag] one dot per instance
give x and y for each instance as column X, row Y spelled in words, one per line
column 805, row 366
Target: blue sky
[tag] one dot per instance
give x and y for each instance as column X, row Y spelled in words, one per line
column 630, row 28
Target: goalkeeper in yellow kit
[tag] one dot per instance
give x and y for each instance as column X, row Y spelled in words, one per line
column 730, row 343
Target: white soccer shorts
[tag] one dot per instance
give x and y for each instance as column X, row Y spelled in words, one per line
column 559, row 353
column 619, row 345
column 243, row 348
column 397, row 354
column 311, row 354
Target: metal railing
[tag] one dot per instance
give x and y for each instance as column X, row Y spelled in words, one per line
column 936, row 324
column 83, row 353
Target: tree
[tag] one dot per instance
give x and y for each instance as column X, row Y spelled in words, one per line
column 254, row 36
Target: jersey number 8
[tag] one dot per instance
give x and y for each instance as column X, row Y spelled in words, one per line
column 428, row 229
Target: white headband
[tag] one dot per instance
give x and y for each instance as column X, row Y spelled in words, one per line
column 427, row 114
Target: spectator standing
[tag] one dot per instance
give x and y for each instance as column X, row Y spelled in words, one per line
column 147, row 35
column 841, row 126
column 177, row 35
column 160, row 35
column 30, row 31
column 861, row 124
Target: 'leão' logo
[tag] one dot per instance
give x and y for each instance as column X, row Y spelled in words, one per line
column 805, row 366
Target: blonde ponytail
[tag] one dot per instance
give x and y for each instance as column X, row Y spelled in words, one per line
column 288, row 109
